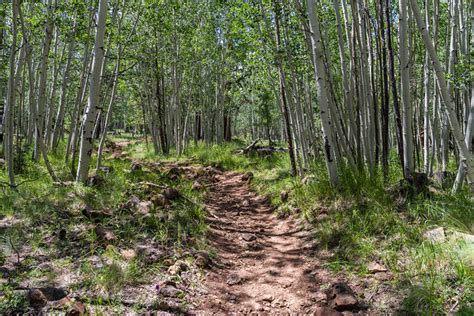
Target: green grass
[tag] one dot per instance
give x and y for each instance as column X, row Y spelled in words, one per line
column 39, row 210
column 361, row 222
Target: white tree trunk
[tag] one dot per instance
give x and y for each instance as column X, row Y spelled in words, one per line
column 43, row 75
column 94, row 95
column 467, row 158
column 470, row 123
column 11, row 98
column 405, row 90
column 426, row 110
column 59, row 122
column 320, row 75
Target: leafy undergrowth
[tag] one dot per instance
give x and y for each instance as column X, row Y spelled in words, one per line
column 363, row 222
column 111, row 244
column 111, row 249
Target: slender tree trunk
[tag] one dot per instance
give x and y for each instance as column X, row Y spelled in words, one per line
column 426, row 109
column 470, row 124
column 94, row 94
column 467, row 158
column 49, row 123
column 320, row 76
column 396, row 105
column 3, row 83
column 405, row 91
column 285, row 110
column 43, row 75
column 11, row 99
column 109, row 108
column 385, row 94
column 59, row 122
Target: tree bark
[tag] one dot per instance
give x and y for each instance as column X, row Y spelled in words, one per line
column 11, row 99
column 320, row 76
column 284, row 105
column 405, row 91
column 467, row 158
column 94, row 96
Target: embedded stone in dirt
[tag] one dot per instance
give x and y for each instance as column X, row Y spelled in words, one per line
column 73, row 307
column 169, row 291
column 136, row 166
column 40, row 296
column 53, row 293
column 463, row 236
column 170, row 193
column 128, row 254
column 144, row 207
column 326, row 311
column 37, row 298
column 150, row 253
column 234, row 279
column 284, row 196
column 105, row 234
column 249, row 237
column 246, row 203
column 95, row 180
column 178, row 267
column 247, row 176
column 341, row 297
column 160, row 200
column 165, row 283
column 383, row 276
column 375, row 267
column 197, row 186
column 203, row 260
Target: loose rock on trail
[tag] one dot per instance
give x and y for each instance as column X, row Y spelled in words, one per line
column 264, row 264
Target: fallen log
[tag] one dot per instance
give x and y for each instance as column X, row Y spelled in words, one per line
column 263, row 151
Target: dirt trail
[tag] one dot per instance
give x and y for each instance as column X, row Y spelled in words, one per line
column 264, row 263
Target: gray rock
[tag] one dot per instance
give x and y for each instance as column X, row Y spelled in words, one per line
column 435, row 235
column 178, row 267
column 463, row 237
column 234, row 279
column 341, row 297
column 375, row 267
column 169, row 291
column 326, row 311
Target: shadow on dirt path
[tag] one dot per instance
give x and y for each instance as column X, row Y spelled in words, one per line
column 265, row 263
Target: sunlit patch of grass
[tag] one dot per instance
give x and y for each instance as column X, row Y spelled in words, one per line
column 360, row 223
column 44, row 209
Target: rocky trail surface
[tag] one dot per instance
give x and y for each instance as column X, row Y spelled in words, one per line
column 264, row 264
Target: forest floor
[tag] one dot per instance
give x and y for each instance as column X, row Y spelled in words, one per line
column 213, row 232
column 271, row 264
column 264, row 262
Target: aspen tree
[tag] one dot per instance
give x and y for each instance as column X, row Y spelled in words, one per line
column 11, row 99
column 320, row 76
column 88, row 120
column 467, row 158
column 405, row 90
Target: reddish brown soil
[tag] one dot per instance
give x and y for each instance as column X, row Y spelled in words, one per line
column 264, row 263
